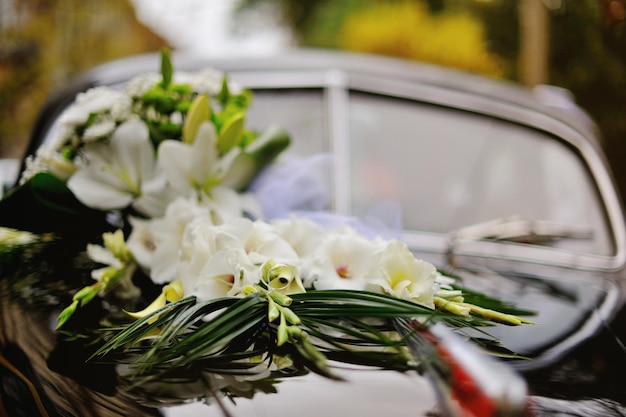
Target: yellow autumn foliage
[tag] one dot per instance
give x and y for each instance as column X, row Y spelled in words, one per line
column 406, row 29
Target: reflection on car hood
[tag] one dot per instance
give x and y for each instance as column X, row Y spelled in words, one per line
column 365, row 392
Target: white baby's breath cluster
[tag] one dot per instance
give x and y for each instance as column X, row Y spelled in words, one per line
column 97, row 112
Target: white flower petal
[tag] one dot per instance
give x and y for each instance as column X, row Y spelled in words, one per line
column 115, row 172
column 98, row 190
column 344, row 260
column 402, row 275
column 141, row 242
column 94, row 100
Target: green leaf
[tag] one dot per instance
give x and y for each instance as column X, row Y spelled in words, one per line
column 231, row 133
column 199, row 112
column 22, row 208
column 136, row 331
column 224, row 95
column 255, row 157
column 326, row 325
column 167, row 69
column 66, row 314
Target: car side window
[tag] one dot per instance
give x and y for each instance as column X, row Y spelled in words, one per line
column 450, row 169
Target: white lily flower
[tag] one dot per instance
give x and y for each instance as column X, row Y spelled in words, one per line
column 343, row 261
column 400, row 274
column 116, row 171
column 196, row 166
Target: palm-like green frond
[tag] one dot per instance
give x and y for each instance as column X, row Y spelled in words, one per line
column 234, row 336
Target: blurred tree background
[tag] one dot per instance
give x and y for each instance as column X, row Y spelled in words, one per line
column 45, row 42
column 576, row 44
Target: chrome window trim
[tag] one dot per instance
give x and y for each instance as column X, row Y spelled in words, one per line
column 512, row 252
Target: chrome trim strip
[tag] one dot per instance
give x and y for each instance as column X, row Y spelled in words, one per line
column 339, row 138
column 512, row 252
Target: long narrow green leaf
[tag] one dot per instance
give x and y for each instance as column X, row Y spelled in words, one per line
column 185, row 321
column 368, row 301
column 139, row 329
column 224, row 335
column 359, row 332
column 216, row 332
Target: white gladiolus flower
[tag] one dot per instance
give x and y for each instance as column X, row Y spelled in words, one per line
column 104, row 256
column 116, row 171
column 282, row 278
column 141, row 242
column 343, row 261
column 213, row 261
column 400, row 274
column 167, row 237
column 265, row 243
column 13, row 237
column 258, row 240
column 199, row 242
column 302, row 234
column 225, row 273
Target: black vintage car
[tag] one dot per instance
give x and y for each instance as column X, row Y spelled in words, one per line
column 504, row 187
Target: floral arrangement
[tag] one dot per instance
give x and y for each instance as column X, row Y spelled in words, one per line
column 145, row 194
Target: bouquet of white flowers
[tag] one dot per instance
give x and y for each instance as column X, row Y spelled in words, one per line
column 176, row 273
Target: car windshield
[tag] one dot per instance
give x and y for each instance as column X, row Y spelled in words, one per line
column 435, row 169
